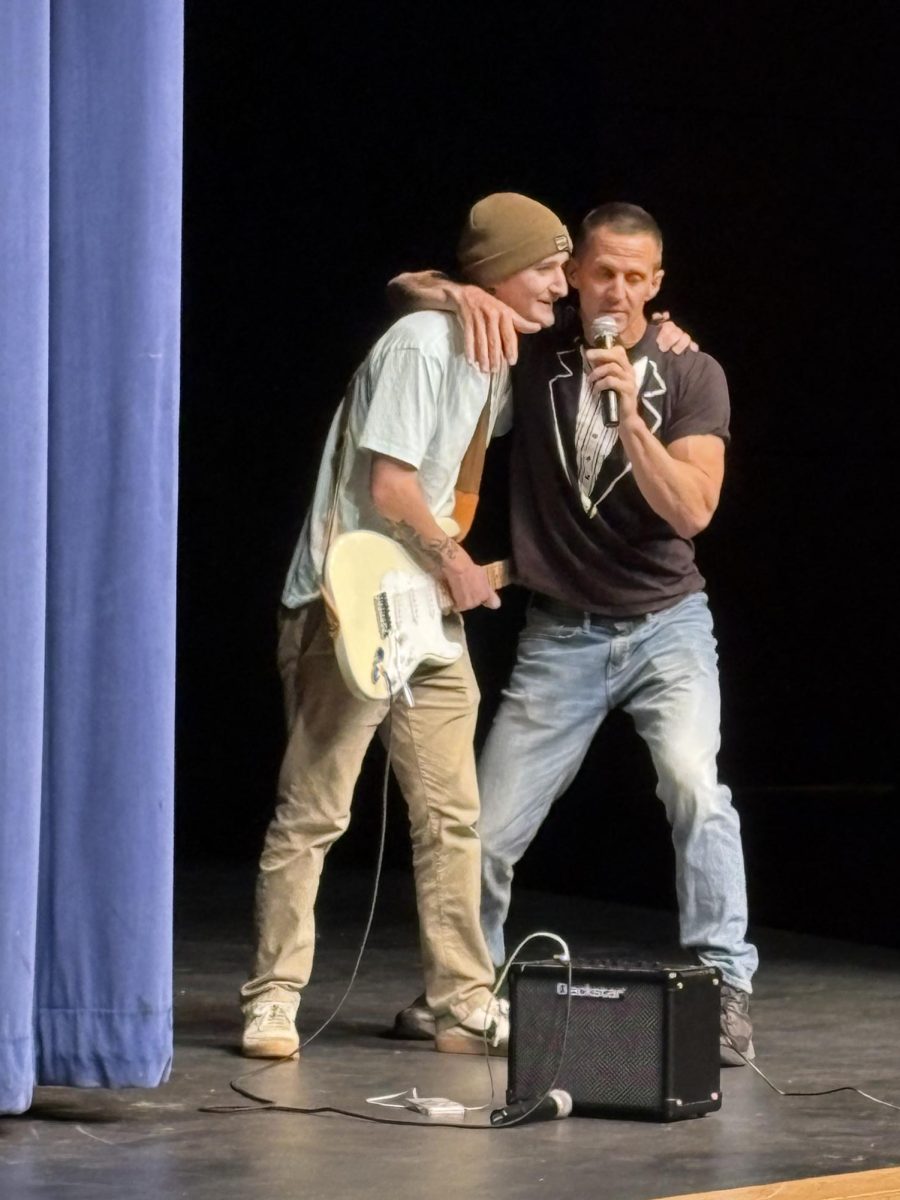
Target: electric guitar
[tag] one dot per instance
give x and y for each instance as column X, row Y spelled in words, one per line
column 385, row 613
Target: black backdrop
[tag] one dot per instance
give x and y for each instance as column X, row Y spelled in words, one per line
column 324, row 152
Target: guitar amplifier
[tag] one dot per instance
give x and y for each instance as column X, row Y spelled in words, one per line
column 642, row 1038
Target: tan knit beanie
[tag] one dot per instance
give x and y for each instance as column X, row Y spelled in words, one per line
column 505, row 233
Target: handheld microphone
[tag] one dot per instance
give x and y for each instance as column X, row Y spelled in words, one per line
column 605, row 333
column 554, row 1105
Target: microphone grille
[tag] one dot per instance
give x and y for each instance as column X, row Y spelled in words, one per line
column 563, row 1101
column 605, row 326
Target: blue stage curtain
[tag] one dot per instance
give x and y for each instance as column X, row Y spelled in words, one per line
column 90, row 225
column 24, row 291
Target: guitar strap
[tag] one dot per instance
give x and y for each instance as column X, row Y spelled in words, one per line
column 471, row 468
column 340, row 453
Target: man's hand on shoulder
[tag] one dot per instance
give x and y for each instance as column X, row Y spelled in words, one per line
column 670, row 336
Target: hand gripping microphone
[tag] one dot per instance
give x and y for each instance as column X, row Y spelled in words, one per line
column 554, row 1105
column 605, row 333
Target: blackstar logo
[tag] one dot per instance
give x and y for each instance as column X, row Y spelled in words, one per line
column 593, row 993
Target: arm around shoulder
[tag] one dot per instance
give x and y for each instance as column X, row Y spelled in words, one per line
column 412, row 291
column 490, row 328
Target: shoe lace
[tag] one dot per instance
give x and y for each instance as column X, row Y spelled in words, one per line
column 275, row 1016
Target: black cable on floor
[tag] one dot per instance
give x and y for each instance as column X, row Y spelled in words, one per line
column 846, row 1087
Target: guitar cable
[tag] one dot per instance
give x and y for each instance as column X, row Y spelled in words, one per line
column 267, row 1104
column 262, row 1103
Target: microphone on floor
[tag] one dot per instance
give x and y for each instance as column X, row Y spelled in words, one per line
column 555, row 1105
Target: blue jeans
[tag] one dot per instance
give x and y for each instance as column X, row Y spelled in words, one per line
column 571, row 670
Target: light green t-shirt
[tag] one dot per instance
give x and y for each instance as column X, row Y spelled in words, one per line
column 415, row 398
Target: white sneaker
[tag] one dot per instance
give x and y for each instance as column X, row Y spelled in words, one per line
column 269, row 1030
column 484, row 1029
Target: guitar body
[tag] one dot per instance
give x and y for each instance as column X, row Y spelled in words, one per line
column 388, row 613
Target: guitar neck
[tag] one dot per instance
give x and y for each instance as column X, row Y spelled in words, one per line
column 499, row 573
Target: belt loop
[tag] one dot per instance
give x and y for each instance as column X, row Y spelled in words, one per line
column 586, row 622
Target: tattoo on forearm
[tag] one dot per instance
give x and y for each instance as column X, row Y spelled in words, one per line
column 444, row 547
column 434, row 550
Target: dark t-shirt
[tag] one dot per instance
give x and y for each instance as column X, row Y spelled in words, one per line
column 581, row 530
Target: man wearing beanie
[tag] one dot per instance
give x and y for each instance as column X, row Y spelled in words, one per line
column 603, row 514
column 504, row 233
column 392, row 463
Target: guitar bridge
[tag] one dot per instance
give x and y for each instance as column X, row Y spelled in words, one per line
column 383, row 614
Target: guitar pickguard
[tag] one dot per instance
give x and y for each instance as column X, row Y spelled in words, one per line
column 388, row 614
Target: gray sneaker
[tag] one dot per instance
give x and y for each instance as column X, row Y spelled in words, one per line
column 735, row 1027
column 414, row 1023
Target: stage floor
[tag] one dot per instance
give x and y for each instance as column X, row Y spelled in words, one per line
column 827, row 1014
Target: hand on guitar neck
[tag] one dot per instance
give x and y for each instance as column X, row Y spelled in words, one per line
column 467, row 584
column 496, row 576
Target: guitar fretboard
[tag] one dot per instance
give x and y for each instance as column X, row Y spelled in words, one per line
column 499, row 573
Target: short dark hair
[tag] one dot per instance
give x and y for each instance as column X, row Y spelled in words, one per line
column 621, row 218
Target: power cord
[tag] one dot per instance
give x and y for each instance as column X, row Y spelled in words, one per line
column 846, row 1087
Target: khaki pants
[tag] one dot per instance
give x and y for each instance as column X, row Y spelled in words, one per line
column 432, row 755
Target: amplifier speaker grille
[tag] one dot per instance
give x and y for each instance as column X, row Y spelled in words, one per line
column 643, row 1039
